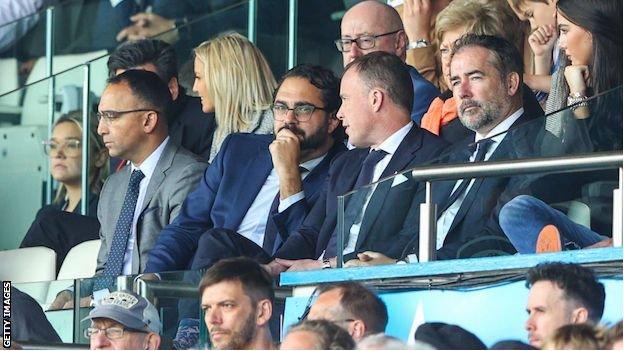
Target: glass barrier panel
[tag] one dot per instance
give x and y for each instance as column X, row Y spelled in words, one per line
column 499, row 214
column 272, row 33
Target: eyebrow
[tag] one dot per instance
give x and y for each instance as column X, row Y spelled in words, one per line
column 297, row 103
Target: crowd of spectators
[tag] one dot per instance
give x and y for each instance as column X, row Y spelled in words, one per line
column 243, row 180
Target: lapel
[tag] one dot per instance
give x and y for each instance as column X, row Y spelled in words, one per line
column 314, row 181
column 164, row 163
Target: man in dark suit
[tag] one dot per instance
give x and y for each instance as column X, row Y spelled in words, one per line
column 486, row 78
column 376, row 105
column 259, row 187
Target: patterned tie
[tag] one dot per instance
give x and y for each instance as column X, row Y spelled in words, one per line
column 482, row 147
column 114, row 263
column 368, row 168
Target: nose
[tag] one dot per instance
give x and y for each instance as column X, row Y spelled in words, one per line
column 354, row 51
column 99, row 341
column 101, row 127
column 339, row 114
column 212, row 317
column 463, row 89
column 529, row 325
column 195, row 86
column 290, row 117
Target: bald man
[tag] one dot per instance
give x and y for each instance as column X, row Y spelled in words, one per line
column 374, row 26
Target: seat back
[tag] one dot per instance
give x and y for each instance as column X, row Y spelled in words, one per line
column 31, row 264
column 80, row 261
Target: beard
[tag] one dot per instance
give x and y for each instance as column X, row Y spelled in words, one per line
column 240, row 338
column 311, row 142
column 481, row 115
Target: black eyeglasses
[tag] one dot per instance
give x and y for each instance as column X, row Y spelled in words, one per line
column 110, row 115
column 364, row 42
column 302, row 112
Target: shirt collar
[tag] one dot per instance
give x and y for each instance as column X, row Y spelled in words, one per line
column 502, row 127
column 311, row 164
column 391, row 144
column 149, row 165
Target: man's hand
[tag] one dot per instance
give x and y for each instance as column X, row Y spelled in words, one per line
column 417, row 19
column 300, row 265
column 274, row 268
column 542, row 40
column 370, row 258
column 61, row 300
column 285, row 153
column 603, row 243
column 146, row 25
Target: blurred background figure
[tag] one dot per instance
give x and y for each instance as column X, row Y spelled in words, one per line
column 317, row 335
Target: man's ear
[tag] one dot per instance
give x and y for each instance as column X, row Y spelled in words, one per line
column 264, row 310
column 152, row 341
column 150, row 122
column 174, row 88
column 357, row 329
column 401, row 44
column 376, row 99
column 513, row 83
column 580, row 315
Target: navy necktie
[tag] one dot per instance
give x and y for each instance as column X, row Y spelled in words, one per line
column 368, row 168
column 114, row 262
column 482, row 148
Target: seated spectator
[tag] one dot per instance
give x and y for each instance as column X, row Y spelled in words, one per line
column 374, row 26
column 486, row 76
column 317, row 335
column 256, row 191
column 60, row 226
column 381, row 341
column 16, row 18
column 28, row 322
column 234, row 81
column 580, row 336
column 388, row 142
column 189, row 127
column 123, row 320
column 237, row 299
column 351, row 306
column 595, row 126
column 445, row 336
column 561, row 294
column 489, row 17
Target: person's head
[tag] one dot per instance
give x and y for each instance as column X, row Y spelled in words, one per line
column 445, row 336
column 613, row 336
column 575, row 337
column 65, row 151
column 371, row 26
column 537, row 12
column 237, row 300
column 314, row 91
column 377, row 97
column 560, row 294
column 381, row 341
column 590, row 31
column 234, row 81
column 124, row 320
column 351, row 306
column 482, row 17
column 317, row 335
column 147, row 54
column 486, row 80
column 132, row 115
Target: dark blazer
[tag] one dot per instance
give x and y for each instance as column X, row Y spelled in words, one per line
column 478, row 214
column 224, row 195
column 190, row 127
column 317, row 233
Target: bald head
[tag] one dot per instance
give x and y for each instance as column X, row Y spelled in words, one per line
column 371, row 18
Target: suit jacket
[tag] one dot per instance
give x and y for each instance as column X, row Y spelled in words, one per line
column 477, row 216
column 224, row 195
column 176, row 174
column 317, row 233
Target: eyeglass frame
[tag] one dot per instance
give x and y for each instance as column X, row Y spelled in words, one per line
column 294, row 110
column 357, row 41
column 47, row 143
column 123, row 331
column 117, row 114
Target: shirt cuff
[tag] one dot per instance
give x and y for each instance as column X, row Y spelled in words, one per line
column 289, row 201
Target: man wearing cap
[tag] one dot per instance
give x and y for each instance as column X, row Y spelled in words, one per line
column 124, row 320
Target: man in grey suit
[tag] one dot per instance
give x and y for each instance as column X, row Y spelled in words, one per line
column 133, row 210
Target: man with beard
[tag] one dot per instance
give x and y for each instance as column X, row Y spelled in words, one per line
column 237, row 299
column 259, row 187
column 486, row 78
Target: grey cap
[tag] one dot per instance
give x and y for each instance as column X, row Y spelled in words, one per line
column 128, row 309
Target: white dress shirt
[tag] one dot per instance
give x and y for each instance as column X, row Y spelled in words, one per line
column 447, row 217
column 390, row 145
column 254, row 223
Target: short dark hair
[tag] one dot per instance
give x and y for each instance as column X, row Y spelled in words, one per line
column 387, row 71
column 256, row 281
column 147, row 87
column 577, row 282
column 320, row 77
column 361, row 303
column 329, row 335
column 136, row 53
column 507, row 57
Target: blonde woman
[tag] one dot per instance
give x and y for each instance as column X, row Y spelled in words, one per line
column 234, row 81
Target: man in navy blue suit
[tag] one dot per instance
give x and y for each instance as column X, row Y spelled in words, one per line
column 374, row 26
column 376, row 105
column 259, row 187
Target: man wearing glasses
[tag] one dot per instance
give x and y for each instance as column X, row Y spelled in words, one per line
column 259, row 187
column 124, row 320
column 373, row 26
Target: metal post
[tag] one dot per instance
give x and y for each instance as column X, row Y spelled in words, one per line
column 252, row 20
column 86, row 126
column 51, row 95
column 427, row 230
column 618, row 200
column 340, row 233
column 292, row 33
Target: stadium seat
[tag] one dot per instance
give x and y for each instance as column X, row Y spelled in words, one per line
column 31, row 264
column 80, row 261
